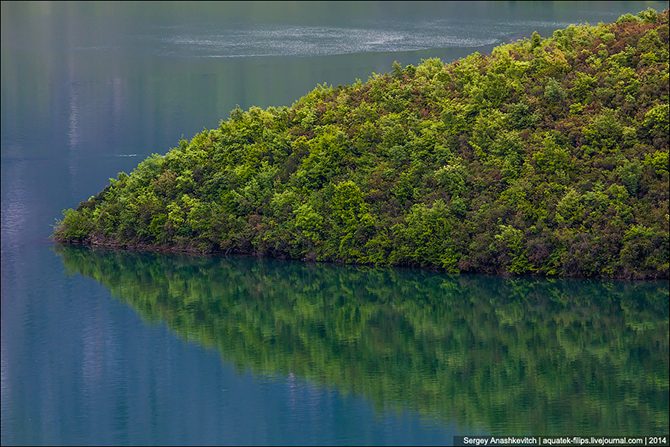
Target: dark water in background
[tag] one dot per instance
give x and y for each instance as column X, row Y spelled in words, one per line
column 159, row 349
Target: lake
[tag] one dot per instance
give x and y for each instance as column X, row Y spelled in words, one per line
column 102, row 347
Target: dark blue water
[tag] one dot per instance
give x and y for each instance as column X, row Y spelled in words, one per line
column 95, row 355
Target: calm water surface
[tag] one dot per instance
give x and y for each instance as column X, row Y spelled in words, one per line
column 121, row 348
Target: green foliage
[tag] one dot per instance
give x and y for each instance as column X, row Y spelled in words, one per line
column 425, row 238
column 76, row 226
column 538, row 158
column 553, row 92
column 510, row 243
column 656, row 125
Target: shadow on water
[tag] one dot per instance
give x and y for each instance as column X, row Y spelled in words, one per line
column 492, row 354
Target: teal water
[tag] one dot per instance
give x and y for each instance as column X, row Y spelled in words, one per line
column 122, row 348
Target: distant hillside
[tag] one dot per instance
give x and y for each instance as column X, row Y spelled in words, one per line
column 549, row 156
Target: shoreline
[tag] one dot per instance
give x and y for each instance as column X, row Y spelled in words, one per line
column 174, row 250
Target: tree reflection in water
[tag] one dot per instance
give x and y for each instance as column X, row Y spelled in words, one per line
column 494, row 354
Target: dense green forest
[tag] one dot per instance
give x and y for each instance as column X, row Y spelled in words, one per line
column 500, row 354
column 547, row 156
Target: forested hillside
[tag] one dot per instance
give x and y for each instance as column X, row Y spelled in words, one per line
column 548, row 156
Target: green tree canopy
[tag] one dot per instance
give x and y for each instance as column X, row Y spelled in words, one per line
column 549, row 156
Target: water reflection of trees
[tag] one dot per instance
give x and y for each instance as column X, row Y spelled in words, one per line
column 504, row 355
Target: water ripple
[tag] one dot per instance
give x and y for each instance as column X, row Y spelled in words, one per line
column 321, row 41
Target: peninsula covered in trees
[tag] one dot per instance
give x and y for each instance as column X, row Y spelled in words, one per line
column 548, row 156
